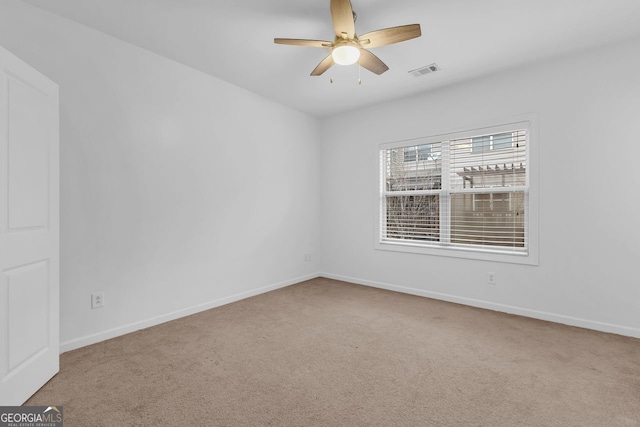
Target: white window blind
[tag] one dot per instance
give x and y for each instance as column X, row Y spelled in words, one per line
column 466, row 193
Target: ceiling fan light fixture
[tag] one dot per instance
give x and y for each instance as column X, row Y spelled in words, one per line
column 345, row 54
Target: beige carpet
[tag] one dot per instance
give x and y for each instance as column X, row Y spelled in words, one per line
column 328, row 353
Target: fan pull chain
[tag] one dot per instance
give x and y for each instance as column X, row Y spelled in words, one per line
column 331, row 79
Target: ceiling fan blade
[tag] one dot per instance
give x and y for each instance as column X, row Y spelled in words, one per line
column 342, row 16
column 371, row 62
column 303, row 42
column 323, row 66
column 390, row 35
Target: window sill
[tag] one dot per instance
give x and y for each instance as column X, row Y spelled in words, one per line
column 492, row 256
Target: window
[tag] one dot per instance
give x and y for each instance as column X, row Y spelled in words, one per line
column 462, row 193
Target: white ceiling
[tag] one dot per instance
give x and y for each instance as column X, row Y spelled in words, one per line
column 233, row 40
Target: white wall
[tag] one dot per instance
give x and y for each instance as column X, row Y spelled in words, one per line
column 179, row 191
column 589, row 239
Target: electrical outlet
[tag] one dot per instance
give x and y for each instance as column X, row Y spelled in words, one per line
column 491, row 278
column 97, row 300
column 307, row 257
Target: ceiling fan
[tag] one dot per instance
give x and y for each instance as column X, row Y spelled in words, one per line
column 347, row 48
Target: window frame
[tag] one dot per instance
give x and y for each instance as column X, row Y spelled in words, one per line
column 527, row 122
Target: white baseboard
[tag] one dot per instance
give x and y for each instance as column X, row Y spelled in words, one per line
column 132, row 327
column 526, row 312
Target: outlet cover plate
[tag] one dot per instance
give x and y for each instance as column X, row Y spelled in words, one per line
column 491, row 278
column 97, row 300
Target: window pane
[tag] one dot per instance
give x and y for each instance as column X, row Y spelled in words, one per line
column 424, row 172
column 413, row 217
column 502, row 141
column 409, row 154
column 424, row 151
column 506, row 167
column 492, row 219
column 417, row 152
column 480, row 144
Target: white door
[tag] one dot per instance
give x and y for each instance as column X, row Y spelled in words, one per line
column 29, row 230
